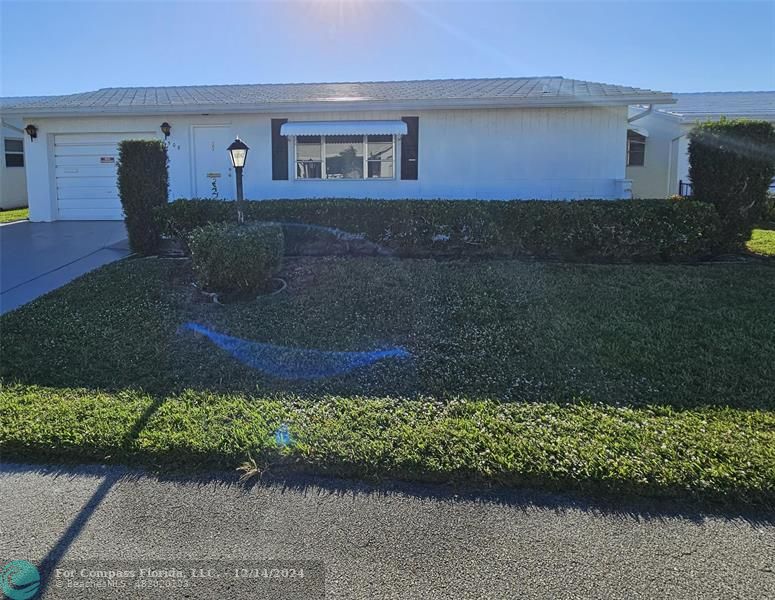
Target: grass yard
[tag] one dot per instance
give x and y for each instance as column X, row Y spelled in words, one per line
column 16, row 214
column 762, row 242
column 614, row 378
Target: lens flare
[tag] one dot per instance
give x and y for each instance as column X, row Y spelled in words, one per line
column 294, row 363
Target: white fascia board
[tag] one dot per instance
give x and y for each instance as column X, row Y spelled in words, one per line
column 701, row 117
column 342, row 105
column 716, row 116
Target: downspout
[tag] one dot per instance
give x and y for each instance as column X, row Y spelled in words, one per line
column 12, row 127
column 642, row 114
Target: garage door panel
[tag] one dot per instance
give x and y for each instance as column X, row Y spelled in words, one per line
column 69, row 139
column 69, row 192
column 87, row 173
column 85, row 160
column 84, row 150
column 91, row 214
column 83, row 203
column 85, row 170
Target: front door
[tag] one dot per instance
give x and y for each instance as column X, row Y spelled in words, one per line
column 212, row 166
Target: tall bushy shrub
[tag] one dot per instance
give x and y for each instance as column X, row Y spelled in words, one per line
column 143, row 183
column 731, row 165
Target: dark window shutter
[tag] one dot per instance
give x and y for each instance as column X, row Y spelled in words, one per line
column 410, row 144
column 279, row 151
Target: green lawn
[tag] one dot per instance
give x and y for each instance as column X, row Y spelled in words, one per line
column 652, row 379
column 16, row 214
column 762, row 242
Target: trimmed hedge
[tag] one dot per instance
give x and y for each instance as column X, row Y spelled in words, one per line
column 237, row 259
column 143, row 183
column 633, row 230
column 731, row 165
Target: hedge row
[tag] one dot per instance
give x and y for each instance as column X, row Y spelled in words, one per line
column 637, row 230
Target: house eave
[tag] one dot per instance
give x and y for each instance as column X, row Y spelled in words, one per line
column 691, row 119
column 340, row 105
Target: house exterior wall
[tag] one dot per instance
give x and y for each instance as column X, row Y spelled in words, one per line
column 13, row 183
column 657, row 177
column 548, row 153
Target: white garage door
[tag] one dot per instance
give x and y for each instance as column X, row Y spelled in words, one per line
column 85, row 165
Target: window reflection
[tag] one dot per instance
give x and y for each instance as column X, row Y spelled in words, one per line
column 345, row 157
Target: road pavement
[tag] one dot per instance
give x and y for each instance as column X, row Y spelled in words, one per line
column 356, row 540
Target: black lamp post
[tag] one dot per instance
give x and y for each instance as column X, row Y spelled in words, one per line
column 238, row 151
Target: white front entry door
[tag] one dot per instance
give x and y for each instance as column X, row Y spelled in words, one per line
column 213, row 173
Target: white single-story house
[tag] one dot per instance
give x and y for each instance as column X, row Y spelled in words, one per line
column 544, row 137
column 13, row 183
column 658, row 141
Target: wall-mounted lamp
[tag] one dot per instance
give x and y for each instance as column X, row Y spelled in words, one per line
column 31, row 131
column 166, row 129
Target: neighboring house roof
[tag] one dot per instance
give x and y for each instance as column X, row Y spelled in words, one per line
column 441, row 93
column 713, row 105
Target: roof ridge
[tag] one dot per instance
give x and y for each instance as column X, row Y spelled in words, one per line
column 725, row 92
column 222, row 85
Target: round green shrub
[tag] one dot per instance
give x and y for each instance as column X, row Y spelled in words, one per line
column 236, row 259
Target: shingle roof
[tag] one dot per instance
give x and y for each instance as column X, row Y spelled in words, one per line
column 703, row 105
column 517, row 91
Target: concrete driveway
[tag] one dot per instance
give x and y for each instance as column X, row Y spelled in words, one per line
column 36, row 258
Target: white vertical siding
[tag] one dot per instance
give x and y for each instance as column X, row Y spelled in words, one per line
column 561, row 153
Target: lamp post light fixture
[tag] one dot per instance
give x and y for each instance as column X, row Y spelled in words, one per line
column 166, row 129
column 238, row 152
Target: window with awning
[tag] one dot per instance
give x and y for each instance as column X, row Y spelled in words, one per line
column 344, row 150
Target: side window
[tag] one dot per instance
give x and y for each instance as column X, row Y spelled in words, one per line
column 636, row 149
column 14, row 153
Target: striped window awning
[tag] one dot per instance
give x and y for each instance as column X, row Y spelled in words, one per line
column 294, row 128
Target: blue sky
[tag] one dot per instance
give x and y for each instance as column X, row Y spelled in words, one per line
column 66, row 47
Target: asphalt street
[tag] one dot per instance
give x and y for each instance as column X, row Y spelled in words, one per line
column 357, row 540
